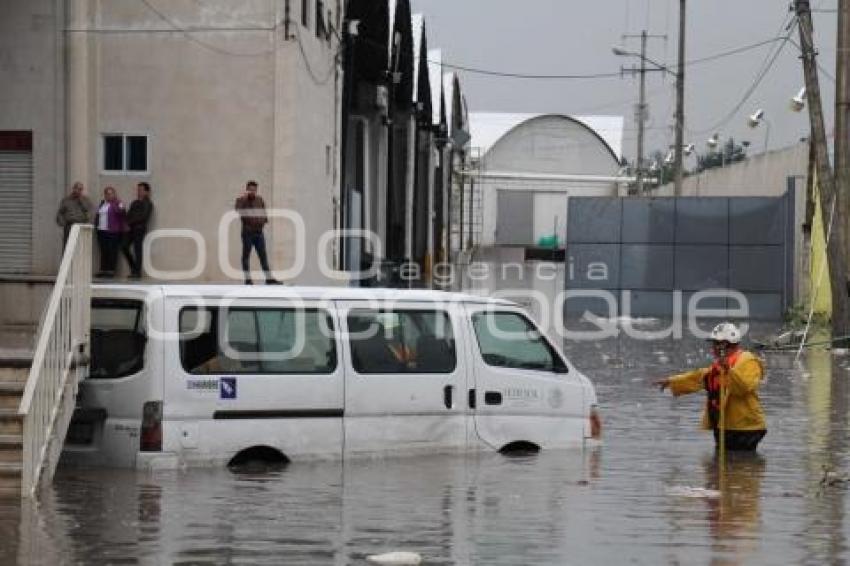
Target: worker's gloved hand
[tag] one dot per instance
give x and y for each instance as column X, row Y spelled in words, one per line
column 662, row 384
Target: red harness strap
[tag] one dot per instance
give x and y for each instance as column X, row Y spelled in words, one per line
column 711, row 383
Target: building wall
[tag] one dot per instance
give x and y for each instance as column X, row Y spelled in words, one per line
column 763, row 175
column 32, row 98
column 545, row 145
column 222, row 93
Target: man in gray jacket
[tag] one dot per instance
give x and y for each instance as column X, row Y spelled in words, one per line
column 75, row 208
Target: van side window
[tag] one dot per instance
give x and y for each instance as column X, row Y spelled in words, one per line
column 117, row 338
column 508, row 339
column 257, row 341
column 401, row 342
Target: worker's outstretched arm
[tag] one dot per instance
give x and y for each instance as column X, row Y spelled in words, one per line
column 685, row 383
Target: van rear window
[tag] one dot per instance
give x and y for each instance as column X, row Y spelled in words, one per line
column 117, row 338
column 256, row 340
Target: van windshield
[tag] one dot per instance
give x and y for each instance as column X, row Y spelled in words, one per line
column 117, row 338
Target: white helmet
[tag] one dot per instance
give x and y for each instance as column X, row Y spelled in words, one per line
column 726, row 332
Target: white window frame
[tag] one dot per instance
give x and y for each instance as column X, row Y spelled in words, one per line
column 124, row 155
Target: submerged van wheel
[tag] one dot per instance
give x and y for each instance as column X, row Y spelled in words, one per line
column 258, row 459
column 519, row 448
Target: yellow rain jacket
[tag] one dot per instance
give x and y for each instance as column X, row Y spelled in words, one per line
column 741, row 403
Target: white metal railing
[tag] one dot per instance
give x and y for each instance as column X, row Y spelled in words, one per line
column 60, row 357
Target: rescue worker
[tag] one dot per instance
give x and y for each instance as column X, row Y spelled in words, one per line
column 740, row 372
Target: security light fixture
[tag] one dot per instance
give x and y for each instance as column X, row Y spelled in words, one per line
column 689, row 149
column 756, row 118
column 713, row 141
column 799, row 102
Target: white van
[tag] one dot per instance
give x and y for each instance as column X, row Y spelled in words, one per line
column 210, row 375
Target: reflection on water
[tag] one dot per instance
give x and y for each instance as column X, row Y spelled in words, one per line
column 612, row 505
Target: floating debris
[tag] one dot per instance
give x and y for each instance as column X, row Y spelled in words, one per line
column 780, row 341
column 398, row 558
column 832, row 478
column 693, row 492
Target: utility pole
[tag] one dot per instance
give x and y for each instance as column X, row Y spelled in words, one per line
column 641, row 112
column 678, row 165
column 842, row 115
column 835, row 227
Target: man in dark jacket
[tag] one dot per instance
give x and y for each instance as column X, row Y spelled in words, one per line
column 75, row 208
column 252, row 212
column 138, row 217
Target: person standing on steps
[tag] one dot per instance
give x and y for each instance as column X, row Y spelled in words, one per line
column 252, row 212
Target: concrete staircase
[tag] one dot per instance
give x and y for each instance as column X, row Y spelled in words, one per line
column 15, row 359
column 12, row 383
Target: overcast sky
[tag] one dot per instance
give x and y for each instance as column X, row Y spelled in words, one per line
column 572, row 37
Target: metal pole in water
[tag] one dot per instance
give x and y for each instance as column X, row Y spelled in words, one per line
column 721, row 456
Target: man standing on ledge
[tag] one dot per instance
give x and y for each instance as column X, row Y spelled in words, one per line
column 740, row 373
column 75, row 208
column 252, row 211
column 138, row 217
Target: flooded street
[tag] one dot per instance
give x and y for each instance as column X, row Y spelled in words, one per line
column 623, row 503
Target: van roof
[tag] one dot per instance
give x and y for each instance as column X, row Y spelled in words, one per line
column 300, row 292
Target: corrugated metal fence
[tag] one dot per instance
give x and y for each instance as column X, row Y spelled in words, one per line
column 651, row 247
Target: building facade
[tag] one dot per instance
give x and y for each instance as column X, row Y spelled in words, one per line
column 193, row 98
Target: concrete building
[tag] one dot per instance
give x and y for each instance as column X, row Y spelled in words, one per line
column 194, row 98
column 524, row 169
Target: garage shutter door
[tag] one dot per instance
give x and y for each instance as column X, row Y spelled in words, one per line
column 15, row 211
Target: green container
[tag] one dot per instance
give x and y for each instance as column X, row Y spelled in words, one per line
column 548, row 242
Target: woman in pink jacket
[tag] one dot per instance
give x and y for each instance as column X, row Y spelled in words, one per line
column 111, row 223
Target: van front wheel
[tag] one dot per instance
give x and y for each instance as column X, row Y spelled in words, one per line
column 519, row 448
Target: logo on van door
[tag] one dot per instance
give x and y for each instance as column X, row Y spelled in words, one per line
column 227, row 388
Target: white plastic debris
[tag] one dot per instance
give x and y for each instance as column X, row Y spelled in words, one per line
column 398, row 558
column 693, row 492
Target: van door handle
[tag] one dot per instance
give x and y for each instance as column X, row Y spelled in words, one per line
column 472, row 398
column 492, row 398
column 447, row 396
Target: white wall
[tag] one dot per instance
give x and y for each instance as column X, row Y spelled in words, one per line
column 32, row 98
column 221, row 107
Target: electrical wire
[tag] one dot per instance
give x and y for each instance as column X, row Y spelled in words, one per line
column 765, row 69
column 191, row 37
column 316, row 78
column 697, row 61
column 506, row 74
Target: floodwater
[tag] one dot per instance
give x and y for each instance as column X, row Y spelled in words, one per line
column 623, row 503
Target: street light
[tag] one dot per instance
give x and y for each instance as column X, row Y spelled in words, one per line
column 620, row 52
column 713, row 142
column 799, row 102
column 641, row 113
column 755, row 120
column 689, row 149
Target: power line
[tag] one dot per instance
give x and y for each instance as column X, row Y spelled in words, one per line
column 766, row 66
column 212, row 47
column 697, row 61
column 506, row 74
